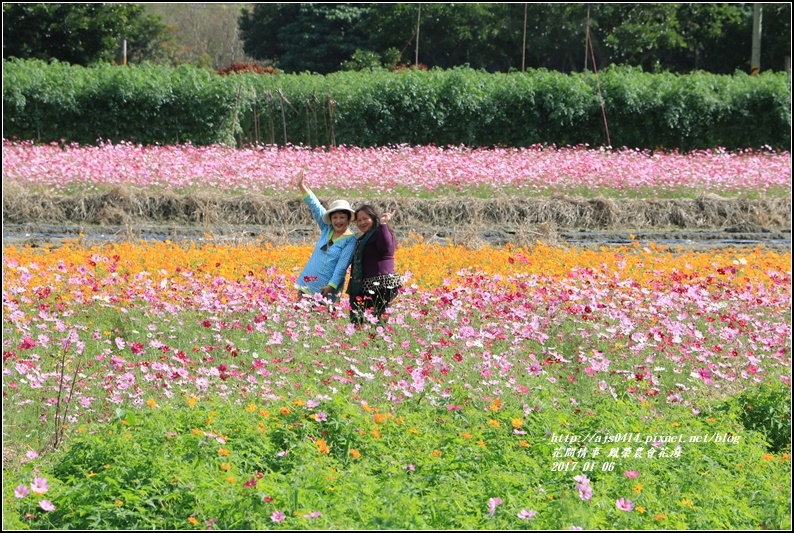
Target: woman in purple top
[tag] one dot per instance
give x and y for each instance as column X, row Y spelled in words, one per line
column 373, row 281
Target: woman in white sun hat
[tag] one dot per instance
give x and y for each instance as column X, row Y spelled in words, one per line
column 327, row 267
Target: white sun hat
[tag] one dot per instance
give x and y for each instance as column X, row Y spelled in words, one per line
column 337, row 205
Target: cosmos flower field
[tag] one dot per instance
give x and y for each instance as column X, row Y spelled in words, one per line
column 172, row 385
column 399, row 170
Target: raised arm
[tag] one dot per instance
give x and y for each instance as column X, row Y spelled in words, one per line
column 299, row 182
column 311, row 200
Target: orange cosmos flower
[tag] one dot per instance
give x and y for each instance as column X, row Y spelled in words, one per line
column 322, row 446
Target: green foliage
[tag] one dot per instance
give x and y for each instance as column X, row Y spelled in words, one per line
column 150, row 104
column 363, row 60
column 198, row 462
column 303, row 37
column 767, row 411
column 80, row 34
column 500, row 37
column 145, row 104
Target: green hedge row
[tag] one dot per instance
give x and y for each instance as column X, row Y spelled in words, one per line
column 151, row 104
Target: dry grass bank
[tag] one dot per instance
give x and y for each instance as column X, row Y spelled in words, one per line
column 128, row 207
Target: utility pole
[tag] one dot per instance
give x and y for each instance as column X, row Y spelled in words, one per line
column 418, row 18
column 755, row 58
column 524, row 49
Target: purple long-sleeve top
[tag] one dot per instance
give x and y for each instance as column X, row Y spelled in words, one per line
column 378, row 256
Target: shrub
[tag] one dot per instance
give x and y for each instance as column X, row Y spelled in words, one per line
column 767, row 410
column 161, row 105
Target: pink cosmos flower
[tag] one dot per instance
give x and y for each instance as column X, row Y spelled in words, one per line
column 313, row 514
column 320, row 416
column 278, row 516
column 523, row 514
column 21, row 491
column 39, row 485
column 493, row 503
column 624, row 505
column 631, row 474
column 46, row 505
column 583, row 486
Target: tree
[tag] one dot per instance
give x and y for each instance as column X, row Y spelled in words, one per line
column 303, row 37
column 79, row 34
column 449, row 34
column 148, row 39
column 635, row 34
column 204, row 34
column 713, row 38
column 679, row 37
column 776, row 36
column 556, row 37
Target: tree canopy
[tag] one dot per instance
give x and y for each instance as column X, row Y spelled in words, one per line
column 328, row 37
column 677, row 37
column 80, row 34
column 304, row 37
